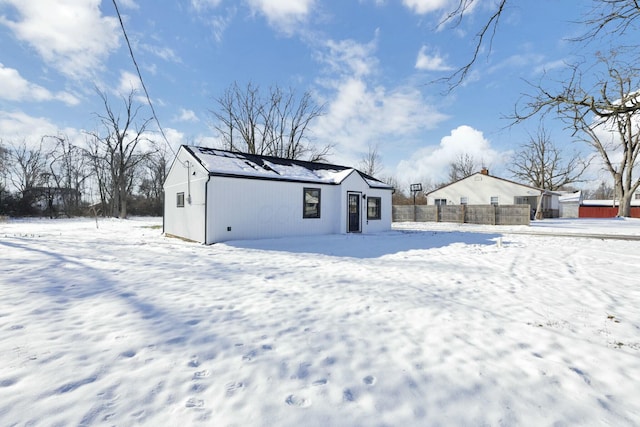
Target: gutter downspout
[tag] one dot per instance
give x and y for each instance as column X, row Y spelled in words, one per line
column 206, row 210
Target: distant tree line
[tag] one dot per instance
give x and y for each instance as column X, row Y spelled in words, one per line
column 117, row 161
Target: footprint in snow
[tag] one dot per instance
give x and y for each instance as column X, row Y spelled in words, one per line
column 128, row 354
column 192, row 402
column 201, row 374
column 233, row 387
column 369, row 380
column 300, row 402
column 348, row 395
column 194, row 363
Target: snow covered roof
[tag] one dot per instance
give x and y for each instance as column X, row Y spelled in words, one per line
column 570, row 196
column 483, row 174
column 607, row 202
column 227, row 163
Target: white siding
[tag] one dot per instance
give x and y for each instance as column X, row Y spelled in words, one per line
column 188, row 177
column 355, row 183
column 255, row 209
column 479, row 189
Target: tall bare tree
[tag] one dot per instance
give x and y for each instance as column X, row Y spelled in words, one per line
column 606, row 18
column 4, row 165
column 27, row 170
column 276, row 124
column 540, row 163
column 152, row 178
column 119, row 147
column 69, row 170
column 371, row 163
column 605, row 115
column 463, row 166
column 26, row 165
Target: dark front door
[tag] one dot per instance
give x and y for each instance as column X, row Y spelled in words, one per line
column 354, row 213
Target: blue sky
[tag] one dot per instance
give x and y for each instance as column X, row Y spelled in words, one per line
column 370, row 62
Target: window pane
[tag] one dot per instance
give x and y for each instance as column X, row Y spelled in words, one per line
column 374, row 208
column 180, row 200
column 311, row 203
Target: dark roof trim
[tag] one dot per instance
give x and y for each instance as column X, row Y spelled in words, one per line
column 266, row 178
column 259, row 160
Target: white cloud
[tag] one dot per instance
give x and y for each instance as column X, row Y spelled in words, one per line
column 360, row 112
column 128, row 82
column 70, row 35
column 165, row 53
column 14, row 87
column 200, row 5
column 187, row 116
column 18, row 126
column 283, row 14
column 348, row 57
column 433, row 62
column 128, row 4
column 432, row 163
column 423, row 7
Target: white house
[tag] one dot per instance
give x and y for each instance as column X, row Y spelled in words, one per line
column 570, row 204
column 484, row 189
column 215, row 195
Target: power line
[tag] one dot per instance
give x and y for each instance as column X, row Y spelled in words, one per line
column 144, row 87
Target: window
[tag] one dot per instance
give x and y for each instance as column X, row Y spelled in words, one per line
column 311, row 207
column 374, row 205
column 441, row 202
column 464, row 200
column 637, row 196
column 180, row 200
column 494, row 200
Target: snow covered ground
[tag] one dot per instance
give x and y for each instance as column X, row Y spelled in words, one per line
column 427, row 325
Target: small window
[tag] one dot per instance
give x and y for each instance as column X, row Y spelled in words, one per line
column 441, row 202
column 637, row 196
column 494, row 200
column 180, row 200
column 374, row 205
column 464, row 200
column 311, row 207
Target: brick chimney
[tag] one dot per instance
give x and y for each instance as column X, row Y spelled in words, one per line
column 484, row 171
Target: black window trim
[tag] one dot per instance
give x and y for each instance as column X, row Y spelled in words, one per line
column 304, row 203
column 180, row 199
column 378, row 210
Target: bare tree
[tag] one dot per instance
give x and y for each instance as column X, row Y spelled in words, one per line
column 119, row 148
column 153, row 174
column 463, row 166
column 4, row 165
column 540, row 163
column 276, row 124
column 371, row 163
column 603, row 192
column 607, row 17
column 605, row 116
column 69, row 169
column 26, row 166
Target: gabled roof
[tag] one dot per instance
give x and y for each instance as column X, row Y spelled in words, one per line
column 227, row 163
column 494, row 177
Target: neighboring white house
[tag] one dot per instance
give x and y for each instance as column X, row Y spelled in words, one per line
column 215, row 195
column 484, row 189
column 570, row 204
